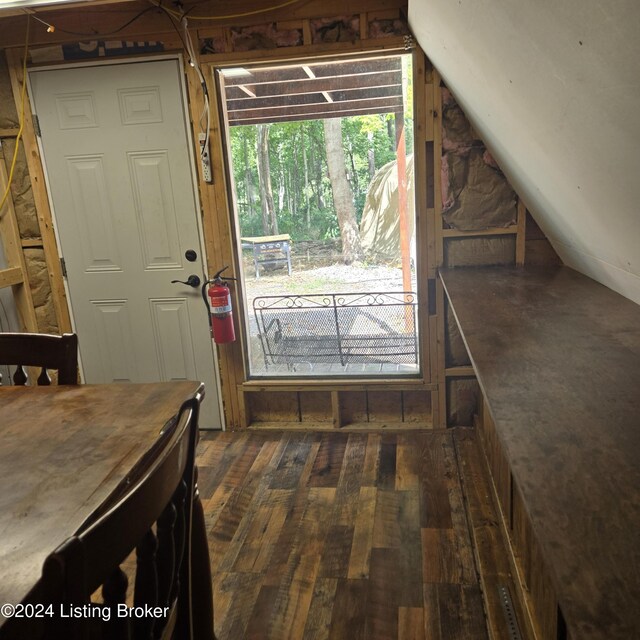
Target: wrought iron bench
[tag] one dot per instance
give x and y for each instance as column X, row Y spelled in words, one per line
column 338, row 328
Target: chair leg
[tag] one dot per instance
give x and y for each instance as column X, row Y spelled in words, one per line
column 202, row 586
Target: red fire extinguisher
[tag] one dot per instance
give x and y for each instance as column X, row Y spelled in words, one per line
column 218, row 300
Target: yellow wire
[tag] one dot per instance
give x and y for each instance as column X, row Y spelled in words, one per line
column 179, row 15
column 24, row 87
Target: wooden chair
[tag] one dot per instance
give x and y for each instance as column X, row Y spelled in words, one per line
column 40, row 350
column 153, row 516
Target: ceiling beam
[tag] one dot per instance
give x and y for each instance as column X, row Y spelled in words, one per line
column 313, row 111
column 351, row 67
column 314, row 98
column 319, row 85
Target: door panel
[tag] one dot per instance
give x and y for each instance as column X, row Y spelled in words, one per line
column 118, row 163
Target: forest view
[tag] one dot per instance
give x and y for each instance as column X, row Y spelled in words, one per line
column 325, row 209
column 298, row 196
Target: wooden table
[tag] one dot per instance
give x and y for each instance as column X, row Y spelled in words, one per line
column 64, row 450
column 557, row 357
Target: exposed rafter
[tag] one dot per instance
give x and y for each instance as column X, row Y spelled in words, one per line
column 333, row 89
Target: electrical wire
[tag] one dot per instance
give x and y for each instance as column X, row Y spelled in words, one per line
column 172, row 20
column 193, row 61
column 22, row 101
column 244, row 14
column 94, row 33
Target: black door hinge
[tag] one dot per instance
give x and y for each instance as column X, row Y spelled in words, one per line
column 63, row 266
column 36, row 125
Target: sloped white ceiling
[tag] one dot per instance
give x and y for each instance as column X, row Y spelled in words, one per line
column 553, row 88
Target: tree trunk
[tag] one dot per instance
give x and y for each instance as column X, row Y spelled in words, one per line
column 371, row 156
column 269, row 222
column 306, row 183
column 342, row 195
column 248, row 179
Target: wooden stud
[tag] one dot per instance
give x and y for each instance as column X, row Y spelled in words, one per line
column 9, row 133
column 336, row 409
column 217, row 232
column 10, row 277
column 245, row 408
column 422, row 228
column 306, row 32
column 45, row 220
column 16, row 273
column 459, row 372
column 494, row 231
column 521, row 233
column 364, row 26
column 442, row 388
column 437, row 164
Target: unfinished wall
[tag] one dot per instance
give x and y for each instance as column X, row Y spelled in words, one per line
column 309, row 28
column 25, row 209
column 476, row 198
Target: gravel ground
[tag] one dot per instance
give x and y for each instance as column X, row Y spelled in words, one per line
column 336, row 278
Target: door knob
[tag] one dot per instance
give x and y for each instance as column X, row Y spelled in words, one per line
column 193, row 281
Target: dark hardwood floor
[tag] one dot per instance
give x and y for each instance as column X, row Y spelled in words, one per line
column 350, row 536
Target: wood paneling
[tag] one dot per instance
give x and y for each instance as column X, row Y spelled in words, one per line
column 323, row 536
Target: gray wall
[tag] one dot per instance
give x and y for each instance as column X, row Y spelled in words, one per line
column 553, row 88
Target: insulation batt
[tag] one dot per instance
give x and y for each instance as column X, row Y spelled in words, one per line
column 476, row 195
column 264, row 36
column 338, row 29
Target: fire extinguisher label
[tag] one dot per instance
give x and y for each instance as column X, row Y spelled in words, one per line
column 220, row 304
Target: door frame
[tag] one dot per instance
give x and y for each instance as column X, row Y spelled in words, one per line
column 195, row 185
column 240, row 390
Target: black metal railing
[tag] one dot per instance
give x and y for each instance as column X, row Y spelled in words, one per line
column 344, row 328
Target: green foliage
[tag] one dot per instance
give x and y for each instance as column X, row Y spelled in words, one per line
column 303, row 198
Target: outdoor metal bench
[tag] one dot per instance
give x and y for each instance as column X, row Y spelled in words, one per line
column 338, row 328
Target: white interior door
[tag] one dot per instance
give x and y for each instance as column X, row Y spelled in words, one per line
column 120, row 176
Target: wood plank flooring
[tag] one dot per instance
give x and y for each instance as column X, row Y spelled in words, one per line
column 340, row 536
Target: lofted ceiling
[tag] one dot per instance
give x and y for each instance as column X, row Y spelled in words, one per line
column 335, row 89
column 553, row 88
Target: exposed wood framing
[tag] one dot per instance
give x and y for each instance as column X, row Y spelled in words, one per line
column 436, row 109
column 459, row 372
column 36, row 173
column 521, row 233
column 377, row 384
column 379, row 407
column 316, row 51
column 344, row 402
column 218, row 238
column 336, row 410
column 494, row 231
column 11, row 276
column 15, row 275
column 93, row 18
column 314, row 90
column 423, row 222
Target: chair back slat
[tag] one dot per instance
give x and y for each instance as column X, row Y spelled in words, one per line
column 146, row 589
column 162, row 499
column 114, row 593
column 48, row 352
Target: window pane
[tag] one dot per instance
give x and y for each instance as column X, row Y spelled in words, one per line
column 322, row 171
